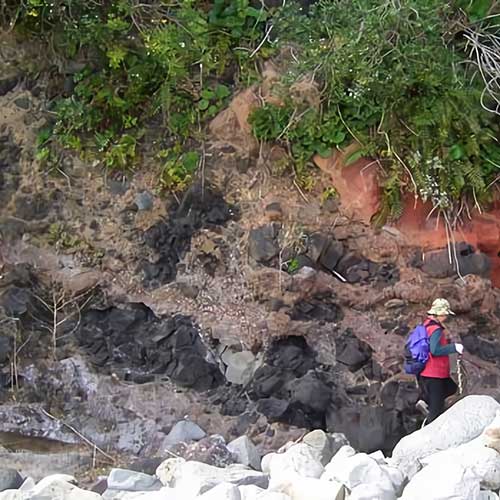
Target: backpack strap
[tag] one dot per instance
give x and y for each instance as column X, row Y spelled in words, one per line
column 432, row 322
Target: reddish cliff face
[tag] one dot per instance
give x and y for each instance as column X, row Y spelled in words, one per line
column 359, row 192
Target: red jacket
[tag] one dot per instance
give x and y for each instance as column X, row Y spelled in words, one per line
column 437, row 366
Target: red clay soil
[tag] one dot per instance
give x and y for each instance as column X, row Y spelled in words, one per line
column 359, row 194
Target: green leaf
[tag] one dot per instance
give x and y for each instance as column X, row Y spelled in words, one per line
column 477, row 9
column 203, row 104
column 456, row 152
column 190, row 160
column 324, row 151
column 255, row 13
column 207, row 94
column 354, row 157
column 221, row 91
column 338, row 137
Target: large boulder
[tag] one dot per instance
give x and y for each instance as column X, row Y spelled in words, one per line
column 223, row 491
column 437, row 263
column 300, row 460
column 361, row 470
column 308, row 488
column 245, row 452
column 444, row 481
column 325, row 445
column 164, row 493
column 250, row 492
column 263, row 243
column 127, row 480
column 183, row 432
column 58, row 486
column 371, row 491
column 463, row 422
column 255, row 493
column 194, row 478
column 481, row 456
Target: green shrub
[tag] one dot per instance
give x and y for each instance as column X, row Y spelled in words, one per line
column 394, row 77
column 144, row 62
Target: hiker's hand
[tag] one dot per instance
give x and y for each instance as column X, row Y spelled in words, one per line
column 459, row 348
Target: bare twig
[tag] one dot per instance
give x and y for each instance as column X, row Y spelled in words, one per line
column 300, row 191
column 266, row 36
column 453, row 242
column 80, row 435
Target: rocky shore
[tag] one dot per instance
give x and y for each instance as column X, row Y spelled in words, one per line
column 456, row 456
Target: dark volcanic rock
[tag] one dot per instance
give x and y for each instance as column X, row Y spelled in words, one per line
column 325, row 251
column 370, row 428
column 487, row 349
column 437, row 263
column 273, row 408
column 200, row 208
column 8, row 83
column 332, row 255
column 262, row 243
column 6, row 346
column 310, row 392
column 289, row 387
column 320, row 308
column 351, row 351
column 139, row 345
column 399, row 395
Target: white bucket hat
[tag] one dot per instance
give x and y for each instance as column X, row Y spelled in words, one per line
column 440, row 307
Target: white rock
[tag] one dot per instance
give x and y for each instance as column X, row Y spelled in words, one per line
column 223, row 491
column 273, row 495
column 396, row 477
column 325, row 445
column 183, row 432
column 343, row 454
column 265, row 463
column 79, row 494
column 66, row 478
column 29, row 483
column 12, row 495
column 475, row 456
column 299, row 460
column 464, row 421
column 164, row 493
column 372, row 492
column 195, row 478
column 250, row 492
column 443, row 481
column 359, row 469
column 127, row 480
column 491, row 434
column 59, row 486
column 487, row 495
column 245, row 452
column 307, row 488
column 378, row 456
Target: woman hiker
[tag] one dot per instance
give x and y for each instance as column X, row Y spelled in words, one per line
column 435, row 381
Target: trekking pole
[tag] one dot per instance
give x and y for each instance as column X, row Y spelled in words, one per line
column 460, row 375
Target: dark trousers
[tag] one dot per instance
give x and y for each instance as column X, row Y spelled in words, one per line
column 434, row 393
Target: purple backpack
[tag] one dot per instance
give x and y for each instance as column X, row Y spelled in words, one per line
column 416, row 350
